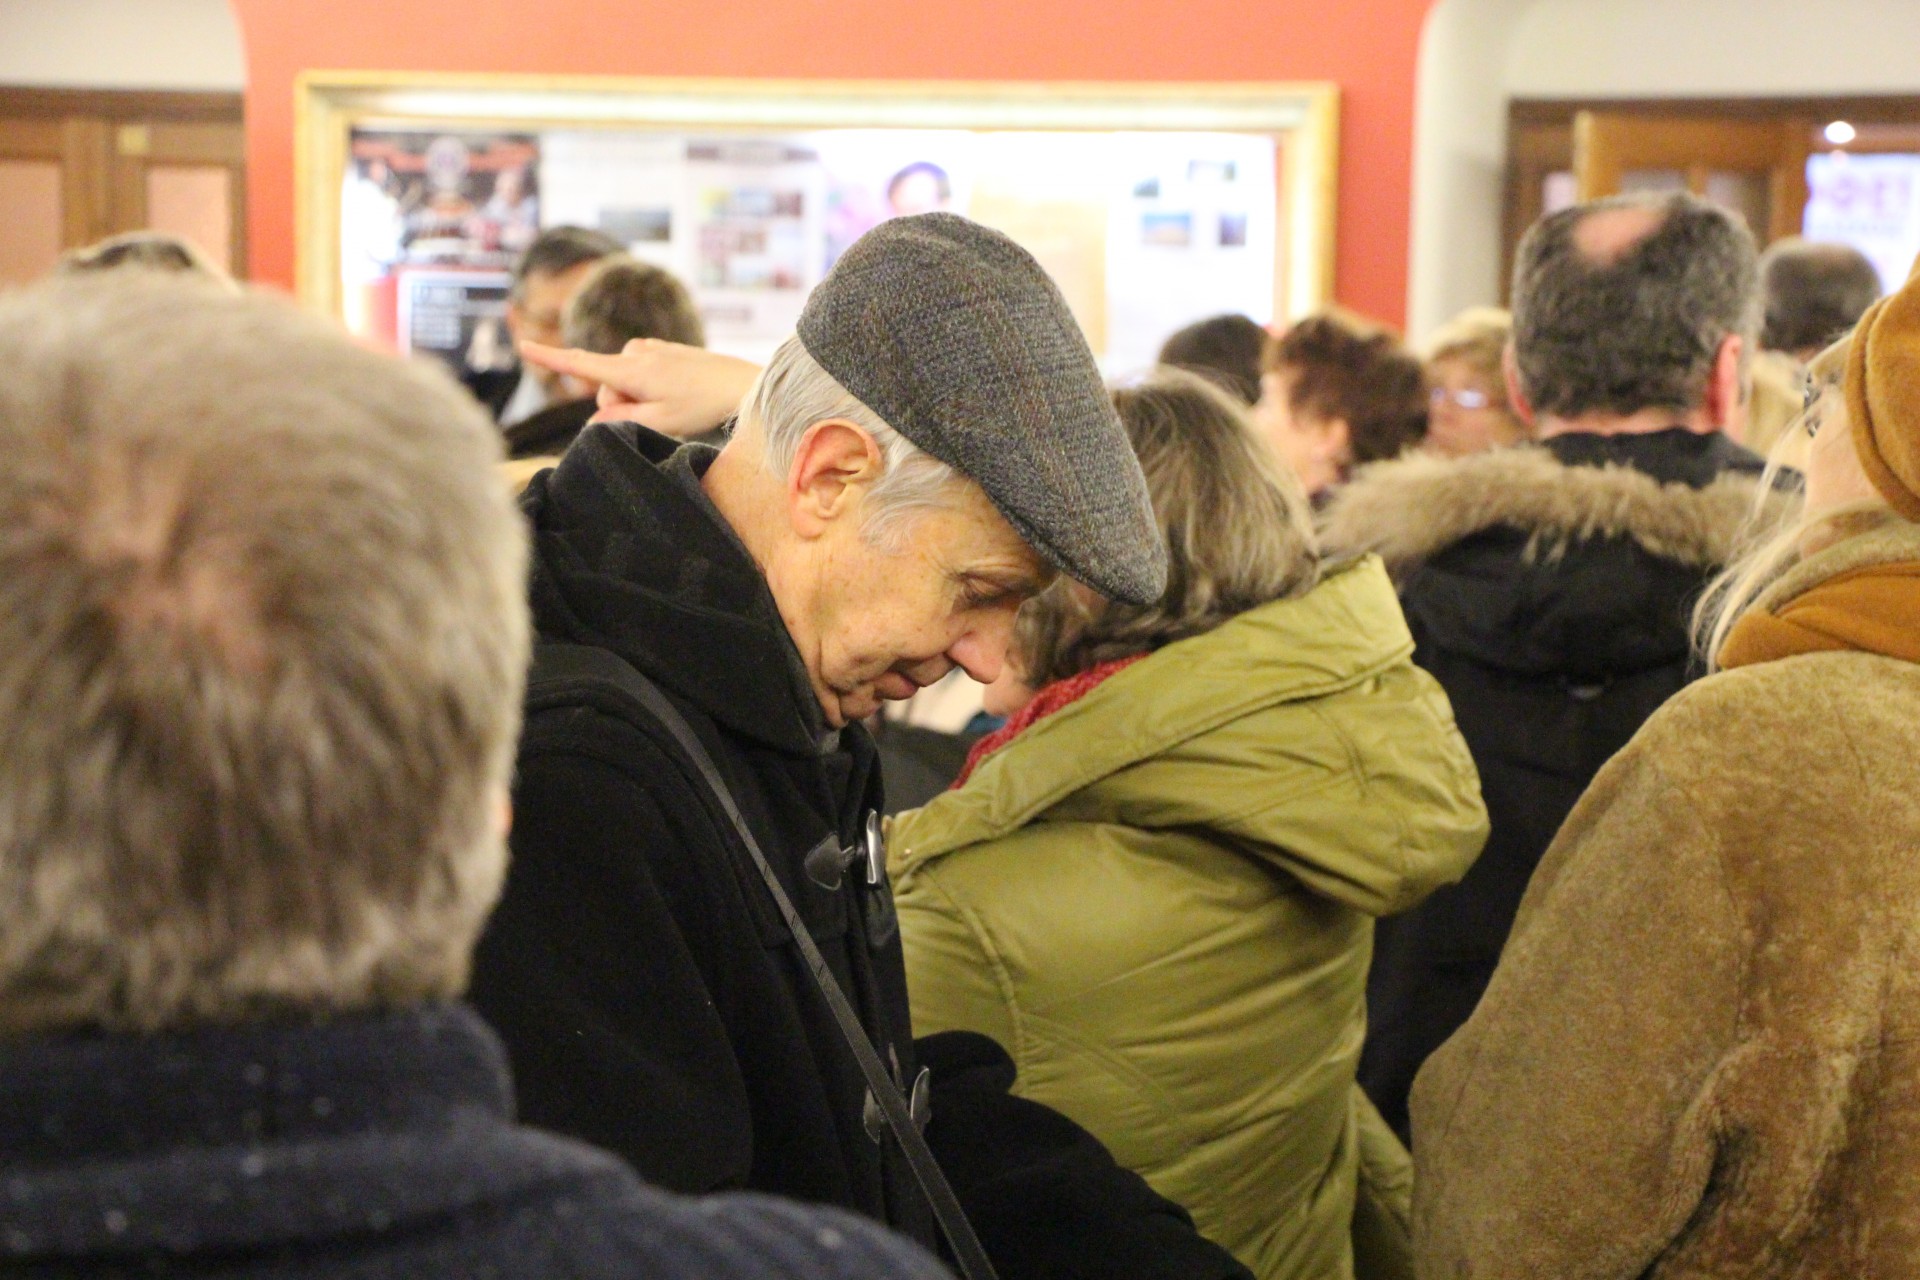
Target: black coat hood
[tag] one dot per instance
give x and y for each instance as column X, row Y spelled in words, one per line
column 1581, row 557
column 1549, row 589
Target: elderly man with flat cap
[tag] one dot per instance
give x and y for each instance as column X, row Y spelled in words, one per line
column 928, row 451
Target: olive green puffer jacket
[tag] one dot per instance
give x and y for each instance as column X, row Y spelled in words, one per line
column 1160, row 900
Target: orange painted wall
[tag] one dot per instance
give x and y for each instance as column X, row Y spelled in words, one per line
column 1366, row 46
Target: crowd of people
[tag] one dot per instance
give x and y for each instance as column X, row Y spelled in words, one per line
column 1435, row 813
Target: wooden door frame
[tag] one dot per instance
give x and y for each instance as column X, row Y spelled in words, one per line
column 1540, row 139
column 89, row 122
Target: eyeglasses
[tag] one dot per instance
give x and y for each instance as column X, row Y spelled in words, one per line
column 1466, row 398
column 1810, row 416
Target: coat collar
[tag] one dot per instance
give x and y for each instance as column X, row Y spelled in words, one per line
column 1888, row 541
column 630, row 556
column 1343, row 632
column 1681, row 497
column 270, row 1133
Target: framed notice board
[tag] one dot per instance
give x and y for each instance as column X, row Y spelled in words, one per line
column 1151, row 204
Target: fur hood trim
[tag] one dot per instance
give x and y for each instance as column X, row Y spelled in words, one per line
column 1410, row 509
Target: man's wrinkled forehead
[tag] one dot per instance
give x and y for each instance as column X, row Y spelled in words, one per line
column 996, row 552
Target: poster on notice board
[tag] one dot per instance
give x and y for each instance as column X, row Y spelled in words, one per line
column 430, row 225
column 1142, row 232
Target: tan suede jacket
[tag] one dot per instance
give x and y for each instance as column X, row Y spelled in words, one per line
column 1701, row 1053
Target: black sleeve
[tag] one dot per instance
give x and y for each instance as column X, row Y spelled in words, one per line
column 588, row 977
column 1044, row 1195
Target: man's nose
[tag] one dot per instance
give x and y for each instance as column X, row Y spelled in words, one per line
column 982, row 652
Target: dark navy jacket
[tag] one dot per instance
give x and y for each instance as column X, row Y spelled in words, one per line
column 370, row 1147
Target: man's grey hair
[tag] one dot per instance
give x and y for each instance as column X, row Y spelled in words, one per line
column 1814, row 292
column 793, row 393
column 1639, row 330
column 262, row 645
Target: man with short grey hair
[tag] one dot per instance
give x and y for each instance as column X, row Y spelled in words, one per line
column 1548, row 586
column 262, row 642
column 931, row 447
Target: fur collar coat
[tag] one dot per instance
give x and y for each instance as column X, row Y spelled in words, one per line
column 1548, row 589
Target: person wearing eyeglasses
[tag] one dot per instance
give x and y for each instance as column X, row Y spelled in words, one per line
column 1467, row 407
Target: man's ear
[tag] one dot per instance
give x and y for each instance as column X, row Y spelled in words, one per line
column 833, row 467
column 516, row 322
column 1726, row 404
column 1516, row 394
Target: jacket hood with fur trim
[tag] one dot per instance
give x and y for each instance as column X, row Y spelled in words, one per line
column 1581, row 556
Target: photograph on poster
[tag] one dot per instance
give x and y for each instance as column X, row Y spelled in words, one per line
column 453, row 200
column 1167, row 230
column 876, row 174
column 455, row 317
column 755, row 218
column 627, row 184
column 1142, row 232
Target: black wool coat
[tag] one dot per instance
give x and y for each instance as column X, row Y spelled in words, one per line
column 379, row 1147
column 1549, row 589
column 650, row 997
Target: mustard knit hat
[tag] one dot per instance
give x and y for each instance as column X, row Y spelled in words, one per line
column 1883, row 396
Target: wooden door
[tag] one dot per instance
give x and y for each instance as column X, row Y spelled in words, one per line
column 186, row 179
column 80, row 165
column 1755, row 167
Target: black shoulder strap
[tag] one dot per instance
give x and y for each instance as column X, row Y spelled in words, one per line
column 583, row 662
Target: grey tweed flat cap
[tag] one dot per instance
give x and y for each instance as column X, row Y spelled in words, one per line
column 954, row 335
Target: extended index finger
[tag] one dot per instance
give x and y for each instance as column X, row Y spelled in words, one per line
column 590, row 365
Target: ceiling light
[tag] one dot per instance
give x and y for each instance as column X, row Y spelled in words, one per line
column 1840, row 133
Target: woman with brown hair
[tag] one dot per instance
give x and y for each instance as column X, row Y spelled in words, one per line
column 1338, row 392
column 1700, row 1055
column 1156, row 887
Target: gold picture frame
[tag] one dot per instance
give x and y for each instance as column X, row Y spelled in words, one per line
column 1303, row 119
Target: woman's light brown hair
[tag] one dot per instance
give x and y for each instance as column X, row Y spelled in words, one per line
column 1236, row 524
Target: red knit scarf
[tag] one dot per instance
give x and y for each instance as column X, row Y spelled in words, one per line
column 1061, row 693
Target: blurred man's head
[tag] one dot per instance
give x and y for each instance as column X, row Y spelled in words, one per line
column 143, row 251
column 1225, row 349
column 1634, row 308
column 545, row 279
column 261, row 644
column 1813, row 294
column 928, row 450
column 623, row 299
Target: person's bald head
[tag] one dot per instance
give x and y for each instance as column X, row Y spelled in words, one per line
column 1623, row 305
column 1605, row 236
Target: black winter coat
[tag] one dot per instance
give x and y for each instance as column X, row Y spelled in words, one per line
column 1549, row 589
column 369, row 1148
column 650, row 996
